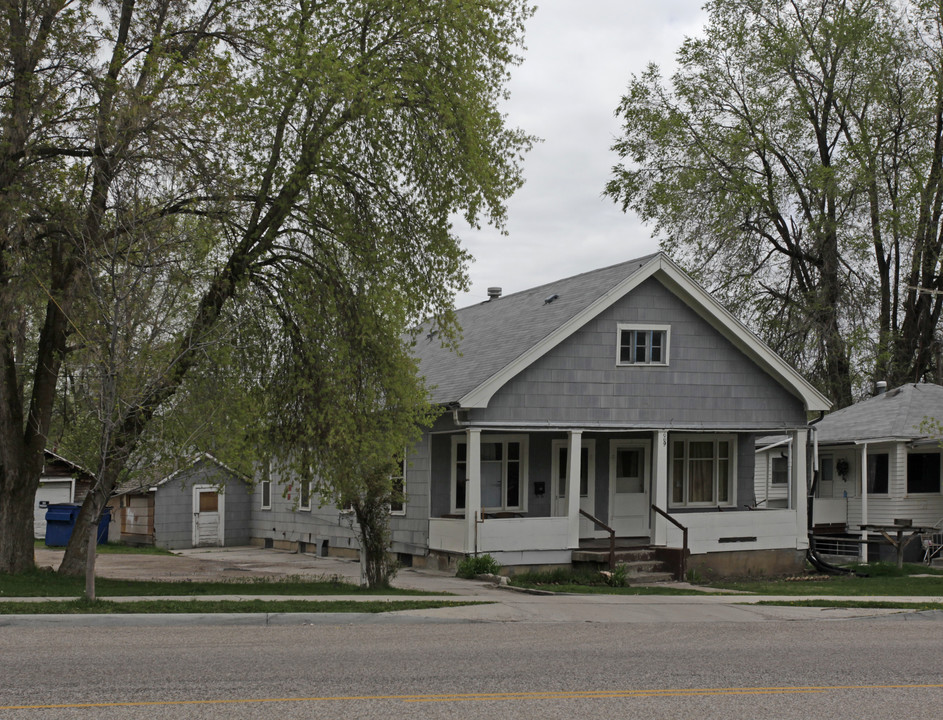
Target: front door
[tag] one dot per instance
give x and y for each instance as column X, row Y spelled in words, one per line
column 630, row 487
column 587, row 482
column 207, row 516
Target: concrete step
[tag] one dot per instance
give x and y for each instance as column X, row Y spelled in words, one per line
column 641, row 564
column 626, row 555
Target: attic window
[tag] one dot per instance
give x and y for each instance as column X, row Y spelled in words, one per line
column 643, row 344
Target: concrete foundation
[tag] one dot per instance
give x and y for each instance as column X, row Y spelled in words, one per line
column 768, row 563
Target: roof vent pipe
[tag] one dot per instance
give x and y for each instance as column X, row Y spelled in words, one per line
column 881, row 387
column 494, row 293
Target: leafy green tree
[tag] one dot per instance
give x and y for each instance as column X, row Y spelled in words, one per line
column 345, row 401
column 240, row 152
column 793, row 164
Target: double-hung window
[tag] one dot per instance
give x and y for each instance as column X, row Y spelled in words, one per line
column 503, row 464
column 703, row 470
column 643, row 345
column 923, row 472
column 304, row 495
column 878, row 475
column 265, row 490
column 398, row 481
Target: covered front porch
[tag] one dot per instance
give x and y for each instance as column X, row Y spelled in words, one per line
column 507, row 493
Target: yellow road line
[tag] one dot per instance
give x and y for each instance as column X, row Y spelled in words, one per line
column 465, row 697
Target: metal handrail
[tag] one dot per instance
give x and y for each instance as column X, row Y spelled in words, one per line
column 612, row 538
column 684, row 535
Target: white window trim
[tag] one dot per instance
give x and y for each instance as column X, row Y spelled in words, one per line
column 262, row 486
column 696, row 437
column 305, row 506
column 907, row 493
column 621, row 327
column 522, row 439
column 403, row 476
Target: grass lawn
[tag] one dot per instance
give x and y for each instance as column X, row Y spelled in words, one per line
column 45, row 583
column 83, row 607
column 883, row 579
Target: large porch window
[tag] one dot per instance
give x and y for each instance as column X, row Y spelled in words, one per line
column 703, row 469
column 503, row 472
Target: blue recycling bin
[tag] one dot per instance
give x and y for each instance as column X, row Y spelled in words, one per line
column 60, row 519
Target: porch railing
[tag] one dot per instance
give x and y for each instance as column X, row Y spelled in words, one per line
column 684, row 540
column 612, row 537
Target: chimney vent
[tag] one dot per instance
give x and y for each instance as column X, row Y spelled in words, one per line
column 494, row 293
column 881, row 387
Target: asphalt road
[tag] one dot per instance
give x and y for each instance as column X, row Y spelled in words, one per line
column 885, row 667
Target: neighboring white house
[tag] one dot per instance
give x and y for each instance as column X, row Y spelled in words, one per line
column 879, row 461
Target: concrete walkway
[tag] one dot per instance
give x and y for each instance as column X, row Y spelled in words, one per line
column 503, row 604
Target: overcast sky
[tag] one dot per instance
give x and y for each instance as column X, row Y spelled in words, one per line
column 579, row 58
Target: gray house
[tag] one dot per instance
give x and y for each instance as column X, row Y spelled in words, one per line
column 630, row 383
column 203, row 504
column 879, row 461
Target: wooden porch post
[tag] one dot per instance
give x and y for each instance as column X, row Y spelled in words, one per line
column 472, row 489
column 863, row 473
column 798, row 452
column 660, row 487
column 574, row 461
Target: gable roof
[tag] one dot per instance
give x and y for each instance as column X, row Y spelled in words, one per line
column 893, row 415
column 502, row 337
column 145, row 485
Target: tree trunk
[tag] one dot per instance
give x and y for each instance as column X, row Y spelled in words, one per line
column 18, row 491
column 76, row 562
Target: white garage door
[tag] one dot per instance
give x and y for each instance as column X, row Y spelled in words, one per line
column 54, row 491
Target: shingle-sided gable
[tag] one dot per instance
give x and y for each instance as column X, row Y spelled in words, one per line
column 503, row 337
column 707, row 383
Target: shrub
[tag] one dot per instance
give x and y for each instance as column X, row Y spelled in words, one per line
column 473, row 566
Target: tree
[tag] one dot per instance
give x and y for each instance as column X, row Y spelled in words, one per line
column 345, row 402
column 794, row 165
column 242, row 143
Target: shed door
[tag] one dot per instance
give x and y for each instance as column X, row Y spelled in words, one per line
column 49, row 493
column 207, row 516
column 630, row 488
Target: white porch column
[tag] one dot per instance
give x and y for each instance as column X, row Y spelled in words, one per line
column 660, row 487
column 863, row 474
column 472, row 488
column 800, row 486
column 574, row 461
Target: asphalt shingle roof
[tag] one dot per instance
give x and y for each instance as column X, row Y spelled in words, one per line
column 497, row 332
column 897, row 414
